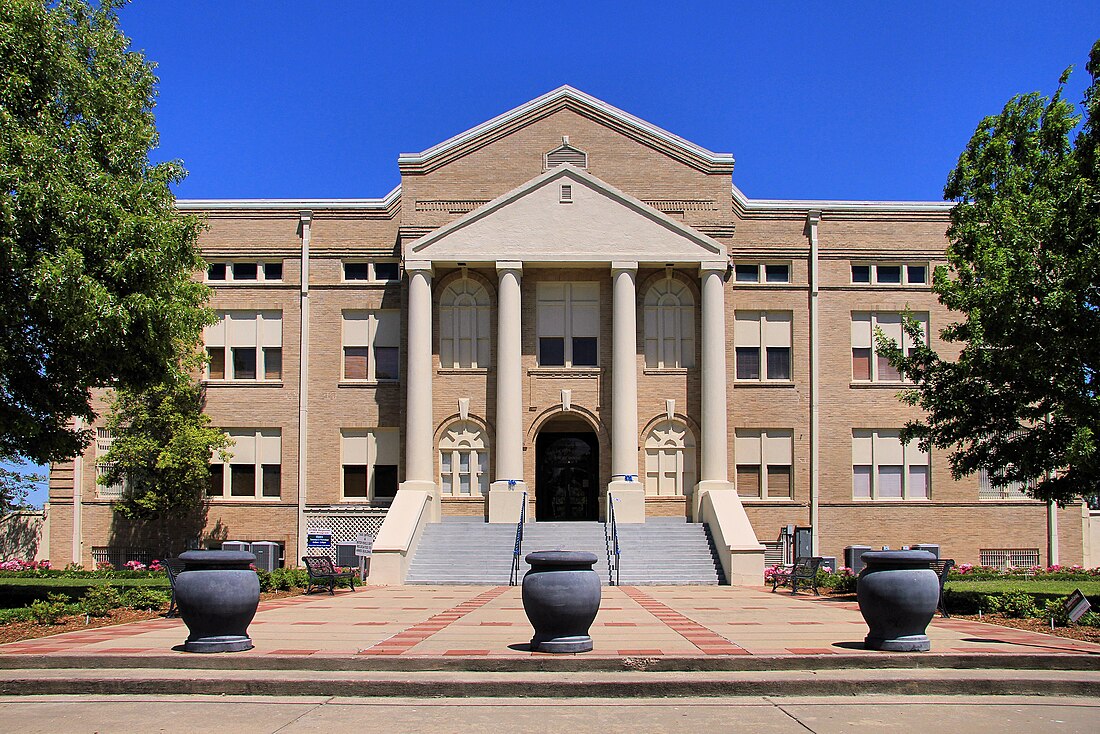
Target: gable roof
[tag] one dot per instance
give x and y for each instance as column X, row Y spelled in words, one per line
column 599, row 224
column 566, row 97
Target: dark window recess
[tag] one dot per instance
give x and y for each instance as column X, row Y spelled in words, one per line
column 748, row 363
column 584, row 351
column 861, row 363
column 273, row 363
column 779, row 480
column 889, row 274
column 355, row 363
column 355, row 480
column 385, row 271
column 244, row 271
column 552, row 351
column 385, row 481
column 779, row 363
column 217, row 481
column 356, row 271
column 385, row 363
column 273, row 271
column 244, row 363
column 216, row 365
column 861, row 273
column 777, row 273
column 272, row 480
column 748, row 480
column 242, row 480
column 748, row 273
column 216, row 271
column 917, row 274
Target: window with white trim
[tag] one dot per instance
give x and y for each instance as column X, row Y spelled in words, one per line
column 762, row 272
column 368, row 458
column 885, row 469
column 764, row 461
column 371, row 345
column 464, row 460
column 669, row 460
column 464, row 325
column 372, row 271
column 254, row 471
column 867, row 364
column 245, row 346
column 241, row 271
column 103, row 440
column 568, row 324
column 890, row 274
column 669, row 314
column 762, row 345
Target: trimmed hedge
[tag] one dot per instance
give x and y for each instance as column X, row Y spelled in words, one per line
column 22, row 592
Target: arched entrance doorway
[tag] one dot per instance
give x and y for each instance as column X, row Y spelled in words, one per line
column 567, row 465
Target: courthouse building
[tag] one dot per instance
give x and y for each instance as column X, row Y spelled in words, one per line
column 567, row 307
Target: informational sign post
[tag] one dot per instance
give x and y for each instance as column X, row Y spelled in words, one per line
column 364, row 546
column 318, row 538
column 1076, row 605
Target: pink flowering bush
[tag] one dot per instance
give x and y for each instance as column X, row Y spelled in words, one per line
column 134, row 566
column 105, row 566
column 156, row 565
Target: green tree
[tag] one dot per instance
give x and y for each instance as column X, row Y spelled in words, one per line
column 1021, row 400
column 96, row 264
column 14, row 487
column 161, row 448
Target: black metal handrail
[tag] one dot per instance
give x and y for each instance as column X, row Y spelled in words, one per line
column 517, row 551
column 611, row 537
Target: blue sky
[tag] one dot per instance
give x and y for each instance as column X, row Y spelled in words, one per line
column 826, row 100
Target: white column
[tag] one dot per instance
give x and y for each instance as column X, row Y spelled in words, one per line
column 508, row 492
column 712, row 462
column 419, row 439
column 625, row 492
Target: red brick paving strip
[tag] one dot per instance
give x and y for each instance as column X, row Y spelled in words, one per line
column 412, row 636
column 704, row 638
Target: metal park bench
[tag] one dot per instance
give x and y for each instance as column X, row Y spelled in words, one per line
column 173, row 567
column 323, row 575
column 942, row 568
column 804, row 570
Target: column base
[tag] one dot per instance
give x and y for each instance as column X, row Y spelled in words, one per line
column 506, row 501
column 435, row 512
column 629, row 499
column 710, row 485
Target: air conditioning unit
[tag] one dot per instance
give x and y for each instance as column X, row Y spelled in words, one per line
column 236, row 545
column 267, row 555
column 345, row 555
column 932, row 548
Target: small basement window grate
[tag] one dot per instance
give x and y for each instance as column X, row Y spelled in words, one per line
column 1009, row 557
column 566, row 153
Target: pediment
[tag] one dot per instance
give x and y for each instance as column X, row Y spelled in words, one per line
column 597, row 224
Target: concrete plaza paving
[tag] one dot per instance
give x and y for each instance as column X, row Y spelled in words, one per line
column 635, row 623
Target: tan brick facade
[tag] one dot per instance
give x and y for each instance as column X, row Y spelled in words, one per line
column 676, row 182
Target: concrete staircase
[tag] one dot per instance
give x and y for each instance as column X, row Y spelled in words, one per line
column 658, row 552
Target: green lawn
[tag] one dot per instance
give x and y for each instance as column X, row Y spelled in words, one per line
column 1036, row 586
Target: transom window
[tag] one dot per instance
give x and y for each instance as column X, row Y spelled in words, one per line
column 669, row 459
column 762, row 272
column 245, row 345
column 464, row 460
column 764, row 463
column 254, row 470
column 371, row 345
column 669, row 325
column 762, row 342
column 368, row 458
column 464, row 325
column 885, row 469
column 890, row 274
column 867, row 364
column 568, row 324
column 240, row 271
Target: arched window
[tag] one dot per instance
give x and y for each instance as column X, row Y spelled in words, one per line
column 464, row 460
column 464, row 325
column 669, row 325
column 669, row 459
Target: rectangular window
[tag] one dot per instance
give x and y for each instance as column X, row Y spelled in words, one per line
column 777, row 273
column 916, row 274
column 369, row 461
column 885, row 469
column 216, row 271
column 747, row 273
column 103, row 440
column 890, row 274
column 244, row 271
column 568, row 324
column 762, row 272
column 762, row 338
column 867, row 365
column 356, row 271
column 371, row 345
column 386, row 271
column 254, row 340
column 379, row 272
column 254, row 470
column 861, row 273
column 764, row 459
column 273, row 271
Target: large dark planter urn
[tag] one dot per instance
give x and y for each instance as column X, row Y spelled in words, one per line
column 898, row 593
column 561, row 595
column 217, row 594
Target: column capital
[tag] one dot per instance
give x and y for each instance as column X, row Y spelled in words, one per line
column 418, row 266
column 509, row 266
column 710, row 266
column 624, row 266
